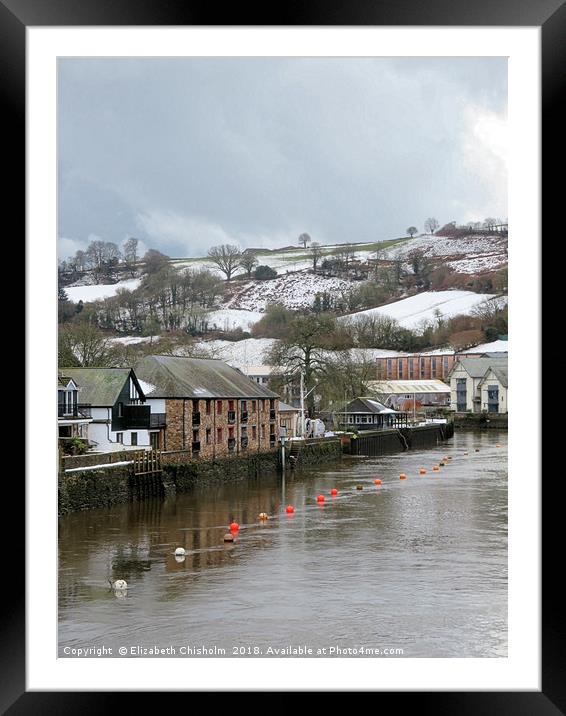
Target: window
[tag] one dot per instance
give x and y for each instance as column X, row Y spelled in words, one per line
column 208, row 435
column 389, row 366
column 218, row 435
column 230, row 433
column 411, row 368
column 195, row 436
column 263, row 404
column 264, row 380
column 263, row 431
column 254, row 406
column 195, row 406
column 433, row 373
column 254, row 432
column 399, row 368
column 208, row 402
column 461, row 395
column 120, row 410
column 134, row 439
column 133, row 391
column 445, row 364
column 244, row 405
column 230, row 405
column 219, row 407
column 423, row 367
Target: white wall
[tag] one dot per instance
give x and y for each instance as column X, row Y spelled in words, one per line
column 157, row 405
column 105, row 438
column 491, row 379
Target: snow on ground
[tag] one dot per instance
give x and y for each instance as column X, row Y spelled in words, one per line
column 493, row 347
column 251, row 351
column 414, row 311
column 131, row 340
column 294, row 291
column 227, row 319
column 468, row 254
column 94, row 293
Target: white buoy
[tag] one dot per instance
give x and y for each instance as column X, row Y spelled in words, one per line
column 180, row 552
column 180, row 558
column 119, row 585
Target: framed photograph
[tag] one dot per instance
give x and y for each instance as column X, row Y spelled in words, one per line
column 274, row 268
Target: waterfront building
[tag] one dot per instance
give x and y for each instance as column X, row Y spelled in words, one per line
column 368, row 414
column 479, row 385
column 289, row 419
column 118, row 415
column 207, row 408
column 72, row 417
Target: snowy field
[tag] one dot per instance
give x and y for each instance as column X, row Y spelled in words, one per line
column 412, row 312
column 228, row 319
column 95, row 293
column 251, row 351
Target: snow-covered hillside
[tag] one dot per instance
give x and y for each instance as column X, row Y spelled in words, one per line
column 228, row 319
column 294, row 291
column 412, row 312
column 468, row 254
column 96, row 292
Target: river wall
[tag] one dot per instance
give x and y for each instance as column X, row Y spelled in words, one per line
column 480, row 421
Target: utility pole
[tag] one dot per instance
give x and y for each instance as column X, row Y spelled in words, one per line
column 302, row 405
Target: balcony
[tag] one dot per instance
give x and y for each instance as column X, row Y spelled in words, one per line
column 136, row 416
column 196, row 419
column 157, row 420
column 231, row 444
column 74, row 411
column 273, row 414
column 244, row 443
column 231, row 417
column 244, row 416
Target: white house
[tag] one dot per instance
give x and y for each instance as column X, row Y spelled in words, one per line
column 120, row 417
column 467, row 380
column 73, row 418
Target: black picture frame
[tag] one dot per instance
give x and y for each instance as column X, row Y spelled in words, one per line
column 550, row 15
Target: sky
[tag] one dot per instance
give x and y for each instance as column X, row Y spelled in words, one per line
column 187, row 153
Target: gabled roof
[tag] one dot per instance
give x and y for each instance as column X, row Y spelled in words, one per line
column 365, row 406
column 285, row 408
column 499, row 372
column 477, row 367
column 101, row 387
column 63, row 381
column 178, row 377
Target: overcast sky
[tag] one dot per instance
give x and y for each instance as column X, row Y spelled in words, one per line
column 187, row 153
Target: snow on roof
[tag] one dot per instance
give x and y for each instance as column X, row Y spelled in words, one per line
column 407, row 387
column 493, row 347
column 147, row 388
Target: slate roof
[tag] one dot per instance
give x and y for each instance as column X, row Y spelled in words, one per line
column 99, row 387
column 477, row 367
column 178, row 377
column 286, row 408
column 500, row 373
column 365, row 406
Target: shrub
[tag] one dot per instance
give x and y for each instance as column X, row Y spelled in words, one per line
column 263, row 273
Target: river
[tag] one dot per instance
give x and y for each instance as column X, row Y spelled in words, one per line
column 415, row 566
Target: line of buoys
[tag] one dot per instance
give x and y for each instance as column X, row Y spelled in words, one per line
column 359, row 487
column 263, row 516
column 333, row 492
column 320, row 498
column 377, row 481
column 289, row 509
column 229, row 537
column 180, row 552
column 234, row 527
column 422, row 471
column 402, row 476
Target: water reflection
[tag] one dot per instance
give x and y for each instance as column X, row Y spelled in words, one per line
column 421, row 563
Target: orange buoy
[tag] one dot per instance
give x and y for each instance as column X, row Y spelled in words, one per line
column 402, row 476
column 333, row 492
column 359, row 487
column 497, row 445
column 289, row 509
column 234, row 527
column 377, row 482
column 320, row 498
column 436, row 468
column 422, row 471
column 263, row 516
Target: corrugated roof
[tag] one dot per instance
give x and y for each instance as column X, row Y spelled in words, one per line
column 178, row 377
column 407, row 387
column 477, row 367
column 98, row 386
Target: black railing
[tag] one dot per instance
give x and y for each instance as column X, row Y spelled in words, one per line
column 157, row 420
column 231, row 417
column 74, row 411
column 136, row 416
column 244, row 443
column 231, row 444
column 272, row 415
column 196, row 418
column 244, row 416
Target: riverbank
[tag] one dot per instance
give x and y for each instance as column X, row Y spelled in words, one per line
column 480, row 421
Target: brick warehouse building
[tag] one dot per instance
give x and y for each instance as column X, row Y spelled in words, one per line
column 207, row 407
column 416, row 366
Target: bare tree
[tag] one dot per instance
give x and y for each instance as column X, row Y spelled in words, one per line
column 316, row 253
column 248, row 262
column 304, row 239
column 412, row 230
column 346, row 255
column 490, row 223
column 227, row 257
column 154, row 261
column 81, row 344
column 431, row 225
column 131, row 254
